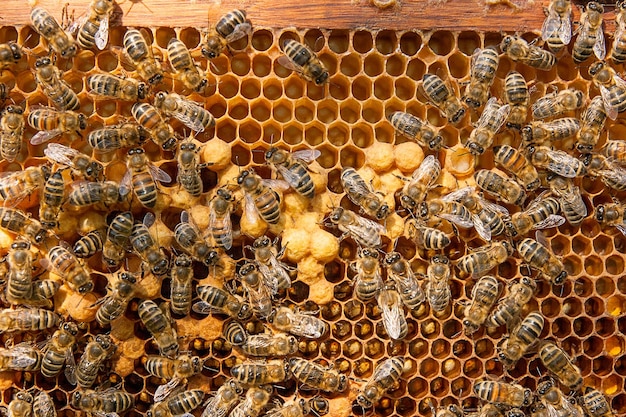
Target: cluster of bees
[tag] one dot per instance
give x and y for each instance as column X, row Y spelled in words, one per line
column 261, row 280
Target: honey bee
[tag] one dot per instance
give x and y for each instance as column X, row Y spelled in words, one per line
column 97, row 351
column 487, row 217
column 400, row 272
column 572, row 204
column 86, row 193
column 516, row 163
column 592, row 124
column 518, row 50
column 148, row 117
column 538, row 132
column 555, row 401
column 612, row 88
column 612, row 214
column 484, row 295
column 188, row 175
column 481, row 260
column 557, row 103
column 368, row 279
column 52, row 123
column 259, row 294
column 482, row 72
column 158, row 322
column 190, row 240
column 446, row 208
column 21, row 405
column 117, row 240
column 19, row 279
column 191, row 114
column 274, row 272
column 298, row 323
column 540, row 214
column 559, row 162
column 180, row 289
column 590, row 38
column 517, row 96
column 443, row 97
column 79, row 163
column 252, row 373
column 611, row 174
column 220, row 224
column 386, row 374
column 58, row 40
column 141, row 176
column 503, row 393
column 491, row 120
column 52, row 199
column 49, row 78
column 560, row 364
column 66, row 265
column 259, row 197
column 111, row 138
column 618, row 52
column 293, row 168
column 109, row 402
column 364, row 231
column 109, row 85
column 231, row 27
column 299, row 408
column 140, row 54
column 392, row 313
column 94, row 30
column 500, row 186
column 512, row 347
column 10, row 53
column 451, row 410
column 220, row 301
column 176, row 370
column 178, row 404
column 18, row 222
column 224, row 399
column 416, row 129
column 234, row 333
column 427, row 237
column 58, row 351
column 11, row 132
column 539, row 257
column 314, row 375
column 148, row 249
column 255, row 401
column 305, row 62
column 187, row 71
column 509, row 307
column 17, row 185
column 557, row 26
column 423, row 179
column 43, row 406
column 119, row 294
column 438, row 283
column 615, row 150
column 21, row 357
column 43, row 291
column 270, row 345
column 595, row 403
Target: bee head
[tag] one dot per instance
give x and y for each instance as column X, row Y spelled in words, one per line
column 15, row 51
column 392, row 257
column 141, row 91
column 436, row 143
column 82, row 121
column 43, row 62
column 321, row 79
column 85, row 288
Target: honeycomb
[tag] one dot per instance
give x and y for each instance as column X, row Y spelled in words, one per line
column 257, row 103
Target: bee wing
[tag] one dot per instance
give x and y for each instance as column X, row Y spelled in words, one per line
column 292, row 179
column 149, row 219
column 102, row 35
column 615, row 175
column 289, row 64
column 279, row 269
column 125, row 184
column 550, row 24
column 202, row 307
column 163, row 391
column 456, row 219
column 363, row 226
column 45, row 404
column 62, row 154
column 308, row 327
column 392, row 314
column 553, row 220
column 483, row 231
column 21, row 356
column 307, row 155
column 216, row 409
column 276, row 185
column 269, row 279
column 241, row 30
column 44, row 136
column 558, row 163
column 429, row 164
column 489, row 205
column 12, row 180
column 611, row 109
column 621, row 228
column 193, row 124
column 491, row 107
column 565, row 32
column 250, row 210
column 458, row 195
column 599, row 47
column 159, row 175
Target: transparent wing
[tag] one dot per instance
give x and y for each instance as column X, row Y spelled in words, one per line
column 163, row 391
column 489, row 205
column 616, row 175
column 45, row 404
column 553, row 220
column 226, row 225
column 269, row 279
column 456, row 219
column 392, row 314
column 279, row 269
column 217, row 408
column 559, row 163
column 550, row 24
column 599, row 47
column 611, row 109
column 565, row 32
column 307, row 155
column 459, row 195
column 125, row 184
column 44, row 136
column 193, row 124
column 289, row 64
column 159, row 175
column 483, row 231
column 621, row 228
column 292, row 179
column 308, row 326
column 102, row 35
column 241, row 30
column 276, row 185
column 250, row 210
column 490, row 108
column 202, row 307
column 428, row 165
column 62, row 154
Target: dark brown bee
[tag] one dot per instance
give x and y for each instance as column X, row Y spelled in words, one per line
column 59, row 350
column 540, row 257
column 517, row 96
column 89, row 244
column 442, row 96
column 416, row 129
column 483, row 70
column 141, row 177
column 148, row 117
column 78, row 162
column 11, row 132
column 97, row 351
column 231, row 27
column 590, row 38
column 147, row 247
column 94, row 30
column 58, row 40
column 117, row 240
column 220, row 223
column 361, row 194
column 180, row 289
column 190, row 113
column 186, row 69
column 293, row 168
column 109, row 85
column 52, row 199
column 259, row 197
column 557, row 26
column 519, row 50
column 49, row 78
column 52, row 123
column 304, row 61
column 118, row 296
column 141, row 55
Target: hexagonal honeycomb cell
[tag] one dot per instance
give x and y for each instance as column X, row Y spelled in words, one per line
column 258, row 103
